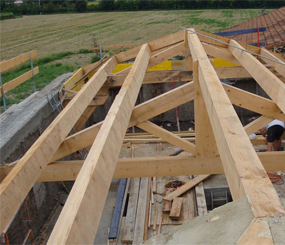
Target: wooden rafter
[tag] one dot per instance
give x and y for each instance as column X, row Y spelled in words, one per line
column 15, row 187
column 253, row 102
column 245, row 178
column 271, row 84
column 100, row 165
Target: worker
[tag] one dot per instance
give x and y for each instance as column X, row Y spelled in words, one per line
column 274, row 131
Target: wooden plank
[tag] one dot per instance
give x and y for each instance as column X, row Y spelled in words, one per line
column 21, row 179
column 141, row 210
column 258, row 232
column 253, row 102
column 11, row 63
column 141, row 113
column 176, row 208
column 100, row 165
column 272, row 85
column 201, row 200
column 186, row 187
column 159, row 226
column 148, row 204
column 128, row 232
column 238, row 156
column 152, row 77
column 257, row 124
column 277, row 67
column 19, row 80
column 168, row 136
column 167, row 203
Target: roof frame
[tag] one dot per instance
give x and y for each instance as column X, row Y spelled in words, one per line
column 218, row 124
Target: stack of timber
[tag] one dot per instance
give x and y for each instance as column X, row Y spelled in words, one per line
column 153, row 208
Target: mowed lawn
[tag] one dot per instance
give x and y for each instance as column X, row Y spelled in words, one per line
column 50, row 34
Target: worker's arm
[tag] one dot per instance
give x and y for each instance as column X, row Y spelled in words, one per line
column 263, row 132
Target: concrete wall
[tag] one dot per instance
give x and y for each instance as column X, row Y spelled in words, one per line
column 20, row 126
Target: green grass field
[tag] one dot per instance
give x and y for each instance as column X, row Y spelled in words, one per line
column 53, row 35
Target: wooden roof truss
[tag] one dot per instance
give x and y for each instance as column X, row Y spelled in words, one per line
column 221, row 144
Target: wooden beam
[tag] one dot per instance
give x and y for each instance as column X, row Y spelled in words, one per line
column 257, row 124
column 153, row 166
column 253, row 102
column 161, row 56
column 73, row 226
column 272, row 85
column 19, row 80
column 222, row 53
column 168, row 136
column 176, row 208
column 193, row 182
column 84, row 117
column 141, row 212
column 154, row 77
column 277, row 67
column 166, row 54
column 141, row 113
column 232, row 72
column 224, row 39
column 204, row 137
column 245, row 174
column 201, row 200
column 21, row 179
column 9, row 64
column 128, row 231
column 154, row 45
column 258, row 232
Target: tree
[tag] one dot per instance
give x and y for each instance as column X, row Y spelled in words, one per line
column 2, row 6
column 80, row 5
column 107, row 4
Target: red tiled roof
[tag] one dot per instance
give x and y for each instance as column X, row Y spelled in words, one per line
column 275, row 28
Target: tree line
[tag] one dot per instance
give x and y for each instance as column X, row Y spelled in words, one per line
column 71, row 6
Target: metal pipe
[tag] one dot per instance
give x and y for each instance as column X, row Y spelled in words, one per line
column 3, row 93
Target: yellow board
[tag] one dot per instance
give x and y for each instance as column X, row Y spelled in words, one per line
column 166, row 65
column 222, row 63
